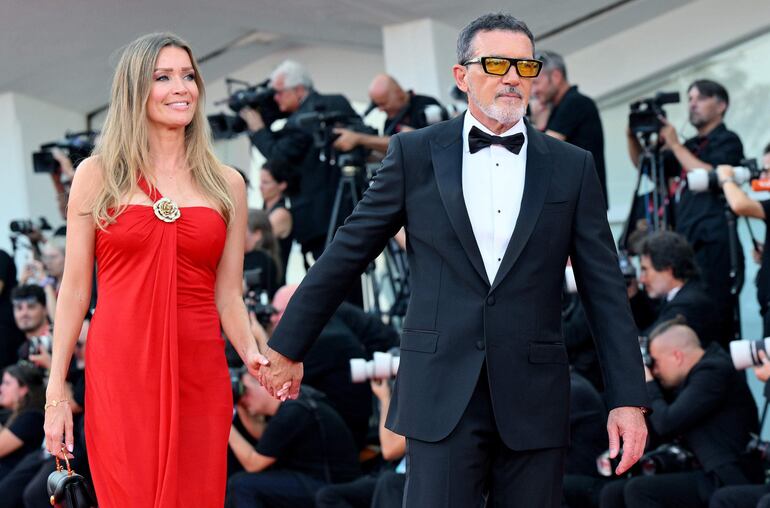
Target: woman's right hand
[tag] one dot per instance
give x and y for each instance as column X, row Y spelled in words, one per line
column 58, row 429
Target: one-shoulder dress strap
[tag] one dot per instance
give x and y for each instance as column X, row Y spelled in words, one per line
column 151, row 192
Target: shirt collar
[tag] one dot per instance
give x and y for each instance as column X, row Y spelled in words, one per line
column 470, row 121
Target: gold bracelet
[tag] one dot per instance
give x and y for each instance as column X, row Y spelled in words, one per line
column 54, row 403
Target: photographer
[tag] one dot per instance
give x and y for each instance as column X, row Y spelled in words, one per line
column 700, row 217
column 567, row 114
column 312, row 204
column 29, row 312
column 668, row 273
column 276, row 181
column 349, row 334
column 262, row 253
column 743, row 205
column 746, row 496
column 10, row 335
column 707, row 405
column 301, row 446
column 385, row 489
column 405, row 110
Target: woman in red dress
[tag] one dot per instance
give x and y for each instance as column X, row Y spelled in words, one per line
column 165, row 223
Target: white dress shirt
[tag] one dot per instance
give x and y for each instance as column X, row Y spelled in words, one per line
column 493, row 186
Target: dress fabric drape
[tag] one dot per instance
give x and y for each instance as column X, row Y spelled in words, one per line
column 158, row 390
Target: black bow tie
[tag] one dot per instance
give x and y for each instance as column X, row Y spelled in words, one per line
column 478, row 139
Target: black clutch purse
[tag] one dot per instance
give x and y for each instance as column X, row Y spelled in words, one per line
column 67, row 489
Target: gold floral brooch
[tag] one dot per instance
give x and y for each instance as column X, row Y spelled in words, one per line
column 166, row 210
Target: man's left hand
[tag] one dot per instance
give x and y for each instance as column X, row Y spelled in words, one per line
column 626, row 423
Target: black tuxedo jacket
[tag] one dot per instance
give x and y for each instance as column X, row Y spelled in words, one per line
column 698, row 308
column 457, row 319
column 312, row 204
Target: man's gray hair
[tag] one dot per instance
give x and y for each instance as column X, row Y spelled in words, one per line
column 485, row 23
column 553, row 61
column 294, row 74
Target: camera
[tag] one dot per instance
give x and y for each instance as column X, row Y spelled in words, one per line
column 745, row 353
column 77, row 146
column 236, row 383
column 667, row 458
column 256, row 298
column 627, row 268
column 701, row 180
column 259, row 97
column 322, row 123
column 644, row 347
column 27, row 226
column 382, row 366
column 39, row 344
column 644, row 115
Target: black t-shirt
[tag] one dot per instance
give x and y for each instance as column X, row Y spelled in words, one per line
column 298, row 443
column 233, row 465
column 763, row 276
column 700, row 216
column 28, row 427
column 262, row 260
column 284, row 243
column 413, row 116
column 576, row 117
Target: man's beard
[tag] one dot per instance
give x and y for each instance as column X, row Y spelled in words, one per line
column 696, row 120
column 506, row 115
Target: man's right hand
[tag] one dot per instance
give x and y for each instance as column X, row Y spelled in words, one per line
column 282, row 376
column 253, row 119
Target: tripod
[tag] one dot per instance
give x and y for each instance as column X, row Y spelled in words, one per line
column 395, row 263
column 654, row 203
column 735, row 281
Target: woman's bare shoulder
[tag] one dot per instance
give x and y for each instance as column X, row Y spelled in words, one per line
column 234, row 178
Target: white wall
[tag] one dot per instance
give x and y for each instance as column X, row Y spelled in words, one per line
column 25, row 124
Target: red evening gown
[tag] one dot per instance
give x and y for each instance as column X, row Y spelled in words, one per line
column 158, row 398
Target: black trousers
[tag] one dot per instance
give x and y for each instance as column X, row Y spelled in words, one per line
column 13, row 482
column 473, row 462
column 739, row 496
column 355, row 494
column 681, row 490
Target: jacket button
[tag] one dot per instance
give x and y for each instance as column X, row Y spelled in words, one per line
column 491, row 300
column 480, row 345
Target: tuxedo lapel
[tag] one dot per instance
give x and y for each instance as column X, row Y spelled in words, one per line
column 536, row 181
column 447, row 155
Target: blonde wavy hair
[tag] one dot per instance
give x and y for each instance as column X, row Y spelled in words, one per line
column 123, row 147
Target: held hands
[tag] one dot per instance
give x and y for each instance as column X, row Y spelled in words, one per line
column 281, row 377
column 626, row 423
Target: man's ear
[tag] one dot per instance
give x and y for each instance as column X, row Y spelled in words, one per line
column 722, row 105
column 459, row 72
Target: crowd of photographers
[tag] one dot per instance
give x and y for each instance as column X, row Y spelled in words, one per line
column 330, row 448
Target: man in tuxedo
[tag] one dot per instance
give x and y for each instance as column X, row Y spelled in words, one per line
column 492, row 210
column 311, row 205
column 669, row 273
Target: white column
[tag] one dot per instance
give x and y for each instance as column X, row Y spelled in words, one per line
column 420, row 55
column 25, row 124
